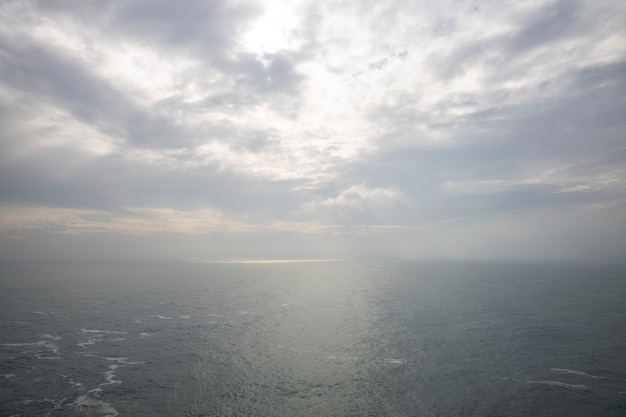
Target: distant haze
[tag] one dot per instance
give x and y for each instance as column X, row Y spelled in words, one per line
column 307, row 129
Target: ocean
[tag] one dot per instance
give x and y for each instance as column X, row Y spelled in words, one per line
column 312, row 338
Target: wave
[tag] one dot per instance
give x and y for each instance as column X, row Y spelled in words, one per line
column 91, row 402
column 87, row 402
column 575, row 372
column 163, row 317
column 561, row 385
column 395, row 361
column 124, row 361
column 103, row 331
column 98, row 336
column 38, row 349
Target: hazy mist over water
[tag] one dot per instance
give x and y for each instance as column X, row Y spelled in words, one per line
column 302, row 338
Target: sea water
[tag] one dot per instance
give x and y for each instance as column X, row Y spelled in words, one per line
column 312, row 338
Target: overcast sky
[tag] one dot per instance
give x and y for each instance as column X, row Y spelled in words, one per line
column 312, row 129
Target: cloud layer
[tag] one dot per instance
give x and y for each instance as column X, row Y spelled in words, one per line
column 308, row 129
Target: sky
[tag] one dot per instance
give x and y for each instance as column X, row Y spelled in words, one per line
column 158, row 129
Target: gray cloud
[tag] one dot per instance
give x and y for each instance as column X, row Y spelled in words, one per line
column 562, row 151
column 208, row 30
column 552, row 22
column 205, row 30
column 142, row 118
column 208, row 26
column 46, row 78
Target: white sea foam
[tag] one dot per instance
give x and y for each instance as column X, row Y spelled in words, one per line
column 185, row 317
column 89, row 402
column 53, row 358
column 124, row 361
column 78, row 385
column 163, row 317
column 144, row 334
column 8, row 375
column 102, row 331
column 56, row 404
column 98, row 336
column 109, row 376
column 26, row 402
column 561, row 385
column 49, row 336
column 22, row 344
column 38, row 349
column 87, row 343
column 395, row 361
column 575, row 372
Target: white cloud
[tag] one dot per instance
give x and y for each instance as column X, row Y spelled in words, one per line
column 359, row 198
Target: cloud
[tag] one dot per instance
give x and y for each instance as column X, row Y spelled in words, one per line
column 359, row 198
column 551, row 22
column 311, row 125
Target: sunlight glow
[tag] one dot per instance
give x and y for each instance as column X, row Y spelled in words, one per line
column 272, row 31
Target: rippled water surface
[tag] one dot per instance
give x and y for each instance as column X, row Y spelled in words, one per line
column 325, row 338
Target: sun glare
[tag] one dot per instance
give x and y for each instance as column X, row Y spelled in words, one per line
column 270, row 33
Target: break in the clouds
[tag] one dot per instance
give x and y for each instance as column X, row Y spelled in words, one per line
column 312, row 129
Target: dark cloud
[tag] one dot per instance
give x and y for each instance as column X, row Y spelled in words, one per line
column 573, row 136
column 274, row 73
column 61, row 82
column 210, row 26
column 553, row 21
column 505, row 55
column 58, row 80
column 115, row 182
column 208, row 32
